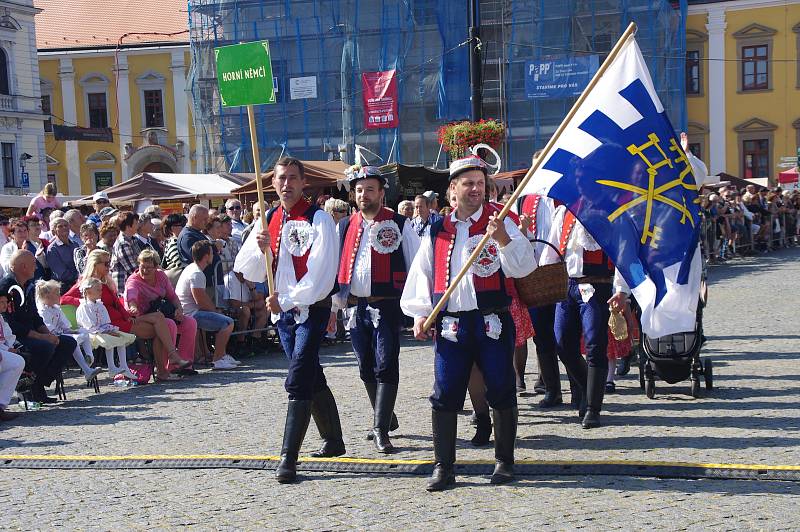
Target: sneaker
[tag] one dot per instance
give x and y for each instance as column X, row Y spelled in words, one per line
column 92, row 374
column 230, row 359
column 224, row 364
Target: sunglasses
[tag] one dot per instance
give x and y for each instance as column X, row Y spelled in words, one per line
column 102, row 201
column 235, row 208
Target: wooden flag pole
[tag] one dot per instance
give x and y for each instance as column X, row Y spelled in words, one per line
column 631, row 30
column 260, row 189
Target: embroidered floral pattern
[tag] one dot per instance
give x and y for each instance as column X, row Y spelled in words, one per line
column 488, row 261
column 385, row 237
column 298, row 235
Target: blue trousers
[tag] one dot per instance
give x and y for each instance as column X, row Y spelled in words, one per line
column 301, row 343
column 453, row 363
column 573, row 316
column 378, row 348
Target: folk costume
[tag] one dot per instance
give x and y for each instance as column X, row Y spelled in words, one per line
column 373, row 267
column 475, row 327
column 541, row 210
column 593, row 279
column 303, row 244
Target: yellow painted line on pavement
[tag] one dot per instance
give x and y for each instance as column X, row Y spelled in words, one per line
column 389, row 462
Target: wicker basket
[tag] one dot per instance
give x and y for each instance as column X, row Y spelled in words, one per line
column 546, row 285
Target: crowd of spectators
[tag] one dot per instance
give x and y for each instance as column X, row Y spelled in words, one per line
column 748, row 221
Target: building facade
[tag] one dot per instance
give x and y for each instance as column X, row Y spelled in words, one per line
column 323, row 50
column 743, row 85
column 108, row 74
column 22, row 144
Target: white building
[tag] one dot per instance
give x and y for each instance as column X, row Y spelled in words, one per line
column 24, row 165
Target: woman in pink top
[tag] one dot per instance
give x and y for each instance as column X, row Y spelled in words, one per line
column 46, row 198
column 144, row 289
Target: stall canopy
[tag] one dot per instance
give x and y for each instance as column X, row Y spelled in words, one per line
column 162, row 187
column 319, row 175
column 788, row 180
column 740, row 183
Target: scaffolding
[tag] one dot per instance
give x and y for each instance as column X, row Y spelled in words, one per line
column 334, row 42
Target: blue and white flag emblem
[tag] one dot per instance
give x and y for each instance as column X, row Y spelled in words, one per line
column 618, row 166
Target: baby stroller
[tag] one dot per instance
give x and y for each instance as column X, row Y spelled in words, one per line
column 675, row 358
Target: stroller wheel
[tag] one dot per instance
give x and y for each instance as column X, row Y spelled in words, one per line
column 650, row 388
column 708, row 371
column 695, row 391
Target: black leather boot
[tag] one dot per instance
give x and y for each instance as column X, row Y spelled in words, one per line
column 483, row 430
column 538, row 386
column 298, row 414
column 372, row 390
column 595, row 389
column 444, row 450
column 548, row 369
column 326, row 416
column 384, row 408
column 505, row 437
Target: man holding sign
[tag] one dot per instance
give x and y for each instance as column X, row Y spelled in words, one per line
column 301, row 239
column 475, row 326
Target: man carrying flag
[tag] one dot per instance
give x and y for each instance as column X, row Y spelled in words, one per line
column 476, row 325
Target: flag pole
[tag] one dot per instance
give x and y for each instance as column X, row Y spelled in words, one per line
column 629, row 31
column 260, row 189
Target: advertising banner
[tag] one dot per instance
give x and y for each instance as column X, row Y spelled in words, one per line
column 380, row 99
column 559, row 77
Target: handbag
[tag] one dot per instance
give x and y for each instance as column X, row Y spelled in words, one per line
column 164, row 306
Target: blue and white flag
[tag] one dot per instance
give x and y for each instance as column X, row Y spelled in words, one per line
column 618, row 166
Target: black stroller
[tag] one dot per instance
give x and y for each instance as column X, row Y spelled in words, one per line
column 675, row 358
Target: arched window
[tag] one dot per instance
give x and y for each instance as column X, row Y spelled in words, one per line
column 3, row 72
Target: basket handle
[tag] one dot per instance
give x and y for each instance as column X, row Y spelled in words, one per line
column 560, row 256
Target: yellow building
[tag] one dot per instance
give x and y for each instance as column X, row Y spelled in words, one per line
column 98, row 70
column 743, row 84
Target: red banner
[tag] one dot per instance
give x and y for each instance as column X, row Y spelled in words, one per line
column 380, row 99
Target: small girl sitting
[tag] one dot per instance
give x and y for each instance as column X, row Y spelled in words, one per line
column 93, row 316
column 47, row 295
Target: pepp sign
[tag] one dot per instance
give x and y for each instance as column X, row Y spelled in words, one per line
column 559, row 77
column 244, row 74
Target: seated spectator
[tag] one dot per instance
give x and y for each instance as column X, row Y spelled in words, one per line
column 108, row 235
column 89, row 237
column 191, row 290
column 157, row 236
column 150, row 326
column 47, row 234
column 193, row 232
column 48, row 294
column 406, row 208
column 75, row 219
column 35, row 234
column 48, row 353
column 148, row 290
column 93, row 316
column 19, row 240
column 60, row 255
column 142, row 236
column 101, row 202
column 5, row 230
column 126, row 250
column 173, row 225
column 233, row 208
column 11, row 364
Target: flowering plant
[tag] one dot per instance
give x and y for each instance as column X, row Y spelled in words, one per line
column 457, row 137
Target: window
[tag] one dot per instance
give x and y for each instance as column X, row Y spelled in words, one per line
column 48, row 122
column 9, row 174
column 694, row 147
column 103, row 180
column 755, row 61
column 756, row 158
column 153, row 109
column 98, row 111
column 693, row 72
column 4, row 72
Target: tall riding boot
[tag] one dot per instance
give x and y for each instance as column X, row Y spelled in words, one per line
column 505, row 438
column 298, row 414
column 444, row 450
column 483, row 429
column 372, row 390
column 548, row 369
column 384, row 407
column 326, row 416
column 595, row 389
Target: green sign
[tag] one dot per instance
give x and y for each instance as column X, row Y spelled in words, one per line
column 244, row 74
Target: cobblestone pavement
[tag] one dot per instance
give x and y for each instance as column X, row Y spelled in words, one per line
column 751, row 417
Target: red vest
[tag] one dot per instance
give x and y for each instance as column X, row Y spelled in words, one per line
column 302, row 210
column 529, row 205
column 492, row 291
column 389, row 270
column 595, row 263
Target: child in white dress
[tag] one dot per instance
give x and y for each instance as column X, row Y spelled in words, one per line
column 93, row 316
column 48, row 294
